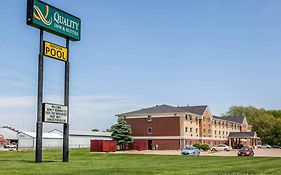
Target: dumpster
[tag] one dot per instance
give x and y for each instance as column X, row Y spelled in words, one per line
column 103, row 146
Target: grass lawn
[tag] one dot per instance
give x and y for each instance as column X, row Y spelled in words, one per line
column 84, row 162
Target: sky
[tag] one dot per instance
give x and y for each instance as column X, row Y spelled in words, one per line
column 142, row 53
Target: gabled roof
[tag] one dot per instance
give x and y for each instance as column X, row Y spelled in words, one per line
column 199, row 110
column 154, row 110
column 242, row 135
column 238, row 119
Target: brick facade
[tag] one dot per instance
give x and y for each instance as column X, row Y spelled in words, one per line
column 161, row 126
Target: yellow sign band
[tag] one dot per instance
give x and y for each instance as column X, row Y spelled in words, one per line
column 55, row 51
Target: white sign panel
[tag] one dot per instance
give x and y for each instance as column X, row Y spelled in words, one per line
column 54, row 113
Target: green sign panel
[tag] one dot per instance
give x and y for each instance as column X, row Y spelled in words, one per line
column 56, row 21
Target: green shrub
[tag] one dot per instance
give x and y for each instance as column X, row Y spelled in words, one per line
column 202, row 146
column 205, row 147
column 197, row 145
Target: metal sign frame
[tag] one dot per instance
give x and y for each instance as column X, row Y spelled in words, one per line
column 39, row 123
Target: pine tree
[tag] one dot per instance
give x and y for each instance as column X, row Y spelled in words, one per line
column 121, row 132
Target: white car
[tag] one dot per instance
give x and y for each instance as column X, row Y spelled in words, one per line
column 11, row 147
column 221, row 147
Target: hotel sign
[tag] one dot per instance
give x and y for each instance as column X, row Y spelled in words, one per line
column 54, row 113
column 53, row 20
column 55, row 51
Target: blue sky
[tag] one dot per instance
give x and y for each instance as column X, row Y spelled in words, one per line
column 136, row 54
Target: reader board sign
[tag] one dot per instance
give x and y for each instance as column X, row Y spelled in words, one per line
column 55, row 51
column 53, row 20
column 54, row 113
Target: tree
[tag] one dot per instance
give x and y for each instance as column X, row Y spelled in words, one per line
column 95, row 129
column 121, row 132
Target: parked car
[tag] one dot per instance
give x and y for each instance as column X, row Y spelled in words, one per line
column 246, row 151
column 10, row 147
column 221, row 147
column 275, row 146
column 264, row 146
column 190, row 150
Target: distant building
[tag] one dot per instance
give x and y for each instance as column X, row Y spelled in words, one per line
column 25, row 139
column 169, row 127
column 52, row 139
column 78, row 139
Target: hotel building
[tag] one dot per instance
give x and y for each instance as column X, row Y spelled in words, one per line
column 167, row 127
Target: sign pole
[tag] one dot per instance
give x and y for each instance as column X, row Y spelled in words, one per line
column 39, row 124
column 66, row 103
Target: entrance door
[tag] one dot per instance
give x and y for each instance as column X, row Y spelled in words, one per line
column 149, row 144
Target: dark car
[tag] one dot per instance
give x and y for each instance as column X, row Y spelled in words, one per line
column 246, row 151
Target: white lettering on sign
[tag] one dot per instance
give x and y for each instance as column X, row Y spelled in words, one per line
column 54, row 113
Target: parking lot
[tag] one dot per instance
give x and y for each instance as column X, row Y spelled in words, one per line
column 258, row 152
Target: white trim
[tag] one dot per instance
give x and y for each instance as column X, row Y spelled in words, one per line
column 152, row 116
column 155, row 137
column 176, row 137
column 160, row 115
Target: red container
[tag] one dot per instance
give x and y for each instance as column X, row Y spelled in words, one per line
column 96, row 145
column 106, row 146
column 113, row 146
column 103, row 146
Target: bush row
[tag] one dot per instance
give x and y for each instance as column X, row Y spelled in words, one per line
column 201, row 146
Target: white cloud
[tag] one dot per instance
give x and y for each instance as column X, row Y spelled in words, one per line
column 86, row 112
column 16, row 102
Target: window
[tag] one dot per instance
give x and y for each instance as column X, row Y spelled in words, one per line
column 186, row 129
column 226, row 133
column 185, row 117
column 209, row 131
column 196, row 119
column 190, row 129
column 223, row 133
column 209, row 135
column 215, row 132
column 191, row 135
column 196, row 130
column 204, row 130
column 219, row 132
column 149, row 130
column 149, row 118
column 190, row 117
